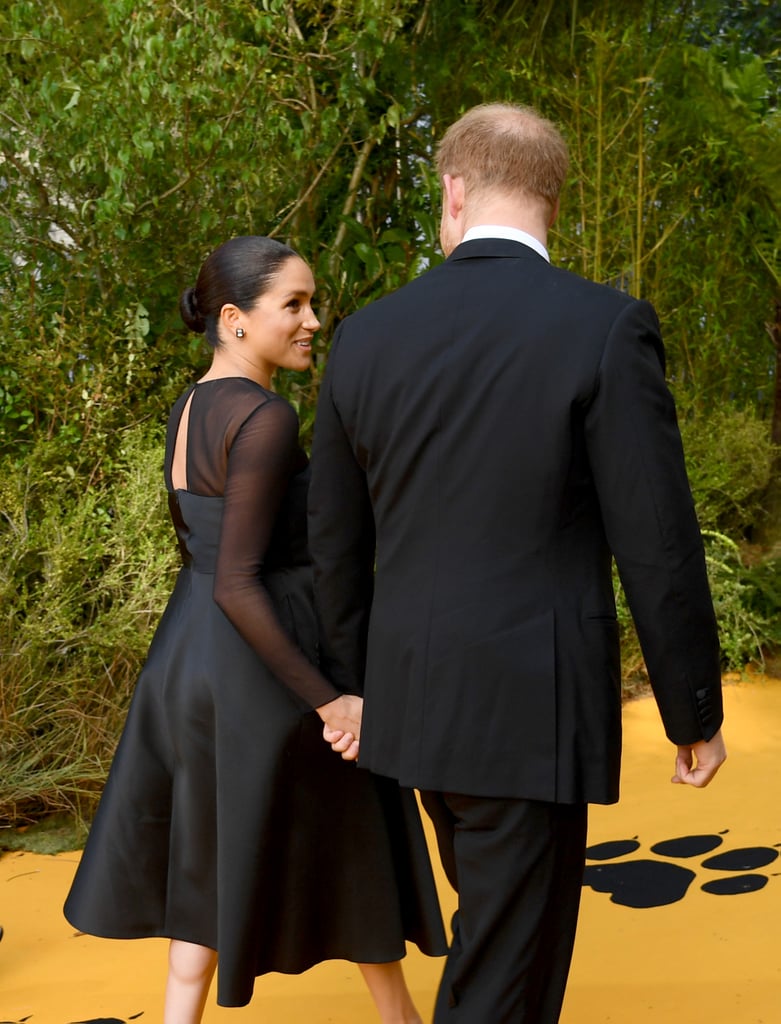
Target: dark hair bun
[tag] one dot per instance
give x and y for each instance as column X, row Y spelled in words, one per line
column 188, row 307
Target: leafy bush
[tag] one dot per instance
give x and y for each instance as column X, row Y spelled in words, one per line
column 763, row 594
column 83, row 579
column 746, row 600
column 743, row 599
column 729, row 456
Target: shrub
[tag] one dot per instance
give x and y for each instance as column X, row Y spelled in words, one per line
column 83, row 580
column 745, row 627
column 728, row 456
column 746, row 600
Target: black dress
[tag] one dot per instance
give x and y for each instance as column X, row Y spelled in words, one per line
column 226, row 819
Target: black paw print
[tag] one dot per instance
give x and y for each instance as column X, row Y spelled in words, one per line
column 108, row 1020
column 94, row 1020
column 656, row 883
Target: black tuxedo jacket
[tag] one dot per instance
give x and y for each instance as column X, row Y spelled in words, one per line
column 485, row 438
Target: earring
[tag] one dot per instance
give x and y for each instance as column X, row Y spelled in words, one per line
column 239, row 332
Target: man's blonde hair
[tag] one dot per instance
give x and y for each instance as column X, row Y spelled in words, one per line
column 505, row 148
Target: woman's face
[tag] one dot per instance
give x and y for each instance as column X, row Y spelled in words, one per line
column 279, row 328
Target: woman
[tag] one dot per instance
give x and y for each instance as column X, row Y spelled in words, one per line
column 227, row 824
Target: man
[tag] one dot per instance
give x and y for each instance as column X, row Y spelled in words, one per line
column 488, row 435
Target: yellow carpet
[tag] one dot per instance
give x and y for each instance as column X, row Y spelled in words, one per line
column 653, row 944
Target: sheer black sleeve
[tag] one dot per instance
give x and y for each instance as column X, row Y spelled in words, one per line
column 261, row 461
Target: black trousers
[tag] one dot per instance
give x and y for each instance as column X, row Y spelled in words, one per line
column 517, row 866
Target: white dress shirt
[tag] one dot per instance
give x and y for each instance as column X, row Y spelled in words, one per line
column 514, row 234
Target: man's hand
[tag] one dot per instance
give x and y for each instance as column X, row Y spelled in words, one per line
column 696, row 764
column 342, row 725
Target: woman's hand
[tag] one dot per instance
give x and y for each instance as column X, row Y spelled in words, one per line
column 342, row 724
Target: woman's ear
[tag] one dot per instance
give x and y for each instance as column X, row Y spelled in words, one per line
column 231, row 319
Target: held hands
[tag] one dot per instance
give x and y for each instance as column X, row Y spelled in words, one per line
column 696, row 764
column 342, row 724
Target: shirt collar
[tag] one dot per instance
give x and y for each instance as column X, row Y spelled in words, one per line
column 514, row 234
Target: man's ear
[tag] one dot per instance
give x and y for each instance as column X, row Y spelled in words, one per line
column 453, row 189
column 554, row 213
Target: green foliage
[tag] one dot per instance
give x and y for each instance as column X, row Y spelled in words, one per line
column 128, row 153
column 741, row 599
column 762, row 597
column 746, row 600
column 135, row 137
column 722, row 147
column 729, row 458
column 82, row 582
